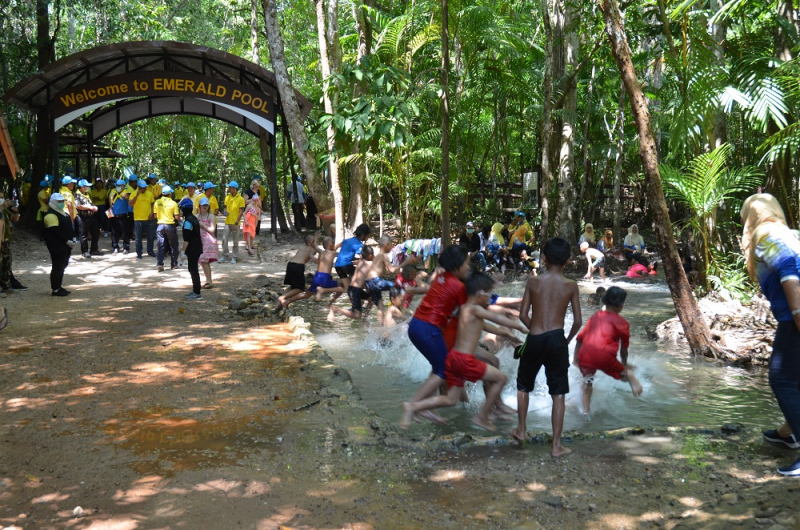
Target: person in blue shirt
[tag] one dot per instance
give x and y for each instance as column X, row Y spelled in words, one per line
column 772, row 254
column 348, row 249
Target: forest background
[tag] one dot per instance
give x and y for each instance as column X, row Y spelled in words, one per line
column 424, row 110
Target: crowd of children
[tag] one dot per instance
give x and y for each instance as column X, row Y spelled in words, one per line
column 457, row 307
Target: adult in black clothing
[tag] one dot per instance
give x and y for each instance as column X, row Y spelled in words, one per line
column 59, row 236
column 311, row 213
column 470, row 241
column 297, row 195
column 192, row 246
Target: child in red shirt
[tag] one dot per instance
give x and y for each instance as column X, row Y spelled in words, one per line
column 597, row 345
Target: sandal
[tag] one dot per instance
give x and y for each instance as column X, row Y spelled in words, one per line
column 4, row 320
column 250, row 252
column 208, row 286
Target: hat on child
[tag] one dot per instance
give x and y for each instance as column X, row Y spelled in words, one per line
column 190, row 185
column 186, row 204
column 233, row 184
column 120, row 182
column 209, row 185
column 204, row 201
column 133, row 178
column 44, row 184
column 83, row 182
column 166, row 190
column 142, row 184
column 67, row 180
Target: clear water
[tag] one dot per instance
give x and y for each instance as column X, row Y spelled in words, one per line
column 679, row 390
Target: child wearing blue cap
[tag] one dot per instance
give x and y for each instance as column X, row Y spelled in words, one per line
column 118, row 213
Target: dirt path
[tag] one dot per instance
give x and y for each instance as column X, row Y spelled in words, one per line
column 148, row 412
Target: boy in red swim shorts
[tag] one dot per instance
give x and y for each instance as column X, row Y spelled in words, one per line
column 461, row 364
column 597, row 345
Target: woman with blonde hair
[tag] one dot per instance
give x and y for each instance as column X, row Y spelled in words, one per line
column 772, row 254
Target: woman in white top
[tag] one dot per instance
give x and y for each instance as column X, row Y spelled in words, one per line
column 634, row 244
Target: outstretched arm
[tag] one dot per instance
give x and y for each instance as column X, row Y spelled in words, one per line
column 525, row 307
column 577, row 319
column 499, row 319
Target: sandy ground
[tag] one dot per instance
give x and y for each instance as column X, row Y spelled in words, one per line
column 150, row 412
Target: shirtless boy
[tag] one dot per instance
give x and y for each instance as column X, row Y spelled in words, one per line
column 355, row 290
column 349, row 249
column 323, row 278
column 296, row 273
column 381, row 265
column 596, row 259
column 544, row 306
column 461, row 364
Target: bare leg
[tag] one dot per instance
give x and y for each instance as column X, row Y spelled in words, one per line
column 428, row 388
column 321, row 291
column 207, row 272
column 294, row 298
column 558, row 426
column 288, row 294
column 409, row 409
column 355, row 315
column 784, row 430
column 586, row 388
column 494, row 379
column 603, row 273
column 636, row 386
column 521, row 431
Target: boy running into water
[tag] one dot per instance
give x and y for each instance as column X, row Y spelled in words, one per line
column 355, row 291
column 382, row 265
column 432, row 317
column 349, row 249
column 597, row 297
column 296, row 274
column 596, row 259
column 461, row 364
column 544, row 306
column 597, row 344
column 322, row 278
column 407, row 281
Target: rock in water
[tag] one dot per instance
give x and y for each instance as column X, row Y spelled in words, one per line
column 732, row 428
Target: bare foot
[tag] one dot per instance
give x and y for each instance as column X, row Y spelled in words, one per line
column 318, row 296
column 408, row 415
column 560, row 451
column 430, row 416
column 498, row 416
column 483, row 424
column 505, row 409
column 331, row 314
column 519, row 434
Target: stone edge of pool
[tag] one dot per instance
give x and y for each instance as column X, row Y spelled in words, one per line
column 363, row 426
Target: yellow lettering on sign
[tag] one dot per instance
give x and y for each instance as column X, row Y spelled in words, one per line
column 237, row 94
column 68, row 100
column 169, row 84
column 189, row 85
column 158, row 84
column 221, row 91
column 80, row 98
column 179, row 85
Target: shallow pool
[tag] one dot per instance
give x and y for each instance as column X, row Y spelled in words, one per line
column 679, row 390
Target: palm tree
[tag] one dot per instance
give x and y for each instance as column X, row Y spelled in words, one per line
column 707, row 186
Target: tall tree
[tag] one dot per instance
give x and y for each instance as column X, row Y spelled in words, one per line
column 291, row 108
column 694, row 325
column 357, row 168
column 565, row 215
column 445, row 127
column 551, row 124
column 329, row 57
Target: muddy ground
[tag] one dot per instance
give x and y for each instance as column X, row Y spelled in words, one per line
column 149, row 412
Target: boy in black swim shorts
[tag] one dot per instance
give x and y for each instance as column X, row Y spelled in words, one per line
column 296, row 273
column 355, row 291
column 544, row 306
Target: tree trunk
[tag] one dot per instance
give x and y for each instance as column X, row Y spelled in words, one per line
column 720, row 29
column 326, row 55
column 617, row 204
column 565, row 216
column 587, row 162
column 355, row 213
column 551, row 128
column 291, row 109
column 42, row 156
column 445, row 128
column 266, row 158
column 694, row 325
